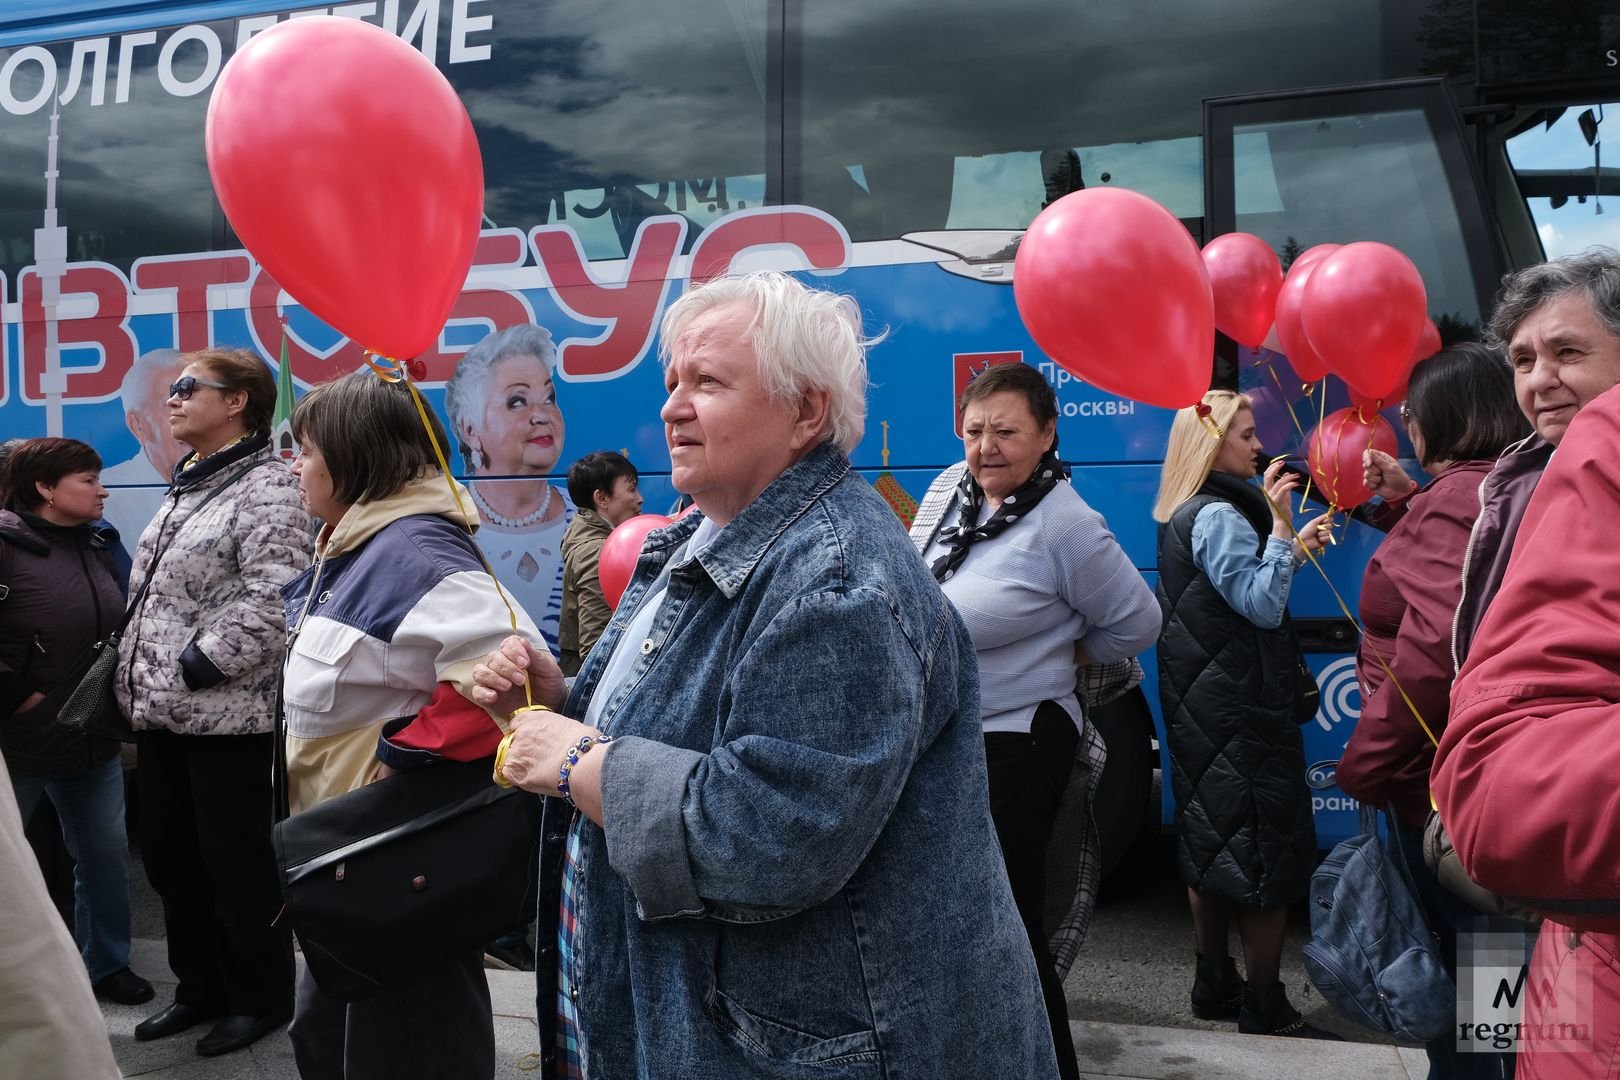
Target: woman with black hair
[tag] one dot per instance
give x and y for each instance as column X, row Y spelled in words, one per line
column 62, row 596
column 1461, row 414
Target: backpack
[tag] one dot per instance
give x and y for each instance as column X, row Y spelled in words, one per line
column 1371, row 954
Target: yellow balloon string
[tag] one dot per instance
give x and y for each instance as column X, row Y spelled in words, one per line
column 390, row 370
column 1287, row 404
column 1360, row 632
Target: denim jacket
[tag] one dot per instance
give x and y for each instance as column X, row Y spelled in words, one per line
column 798, row 876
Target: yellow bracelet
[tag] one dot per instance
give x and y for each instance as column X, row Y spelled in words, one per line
column 500, row 760
column 506, row 743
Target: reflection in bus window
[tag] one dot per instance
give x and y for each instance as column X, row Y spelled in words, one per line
column 600, row 115
column 132, row 177
column 1373, row 176
column 945, row 108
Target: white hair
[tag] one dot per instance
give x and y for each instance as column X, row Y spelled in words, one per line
column 141, row 389
column 805, row 339
column 465, row 393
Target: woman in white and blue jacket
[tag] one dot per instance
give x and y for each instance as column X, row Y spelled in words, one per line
column 385, row 630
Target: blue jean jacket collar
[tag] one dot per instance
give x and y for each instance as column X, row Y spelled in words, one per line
column 739, row 547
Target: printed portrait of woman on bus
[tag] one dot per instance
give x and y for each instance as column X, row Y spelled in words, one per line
column 503, row 410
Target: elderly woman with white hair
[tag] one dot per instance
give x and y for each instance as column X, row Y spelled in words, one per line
column 502, row 402
column 768, row 851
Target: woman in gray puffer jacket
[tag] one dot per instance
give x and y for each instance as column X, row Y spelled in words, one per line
column 197, row 677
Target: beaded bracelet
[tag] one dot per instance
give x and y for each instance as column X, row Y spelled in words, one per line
column 572, row 758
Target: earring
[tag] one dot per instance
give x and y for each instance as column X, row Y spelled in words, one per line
column 50, row 503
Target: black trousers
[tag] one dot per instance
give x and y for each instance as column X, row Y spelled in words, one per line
column 205, row 840
column 433, row 1024
column 1028, row 773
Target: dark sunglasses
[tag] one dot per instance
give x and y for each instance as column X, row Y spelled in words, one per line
column 186, row 385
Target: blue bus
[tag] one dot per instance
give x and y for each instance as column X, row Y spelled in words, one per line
column 893, row 149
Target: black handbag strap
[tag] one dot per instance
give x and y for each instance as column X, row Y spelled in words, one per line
column 151, row 570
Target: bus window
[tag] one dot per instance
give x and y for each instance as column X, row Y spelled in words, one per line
column 1372, row 176
column 946, row 110
column 598, row 116
column 1563, row 179
column 133, row 180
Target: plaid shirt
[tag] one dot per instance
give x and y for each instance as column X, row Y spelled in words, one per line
column 570, row 1037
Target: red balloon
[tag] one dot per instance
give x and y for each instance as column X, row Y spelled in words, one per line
column 687, row 509
column 1333, row 452
column 1370, row 405
column 620, row 552
column 1428, row 344
column 1290, row 332
column 1246, row 277
column 1312, row 255
column 1363, row 309
column 349, row 168
column 1111, row 286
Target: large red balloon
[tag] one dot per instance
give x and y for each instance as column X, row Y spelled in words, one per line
column 1333, row 452
column 1363, row 309
column 1245, row 276
column 620, row 552
column 1311, row 255
column 349, row 168
column 1291, row 332
column 1111, row 286
column 1428, row 344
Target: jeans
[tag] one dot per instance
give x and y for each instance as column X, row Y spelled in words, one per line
column 1447, row 913
column 91, row 806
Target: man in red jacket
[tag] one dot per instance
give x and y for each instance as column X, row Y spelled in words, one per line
column 1525, row 774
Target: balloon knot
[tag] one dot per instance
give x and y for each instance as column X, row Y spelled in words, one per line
column 417, row 369
column 1202, row 409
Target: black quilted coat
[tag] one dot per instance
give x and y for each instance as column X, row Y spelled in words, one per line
column 1227, row 687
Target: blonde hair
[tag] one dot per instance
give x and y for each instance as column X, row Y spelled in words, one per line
column 1191, row 453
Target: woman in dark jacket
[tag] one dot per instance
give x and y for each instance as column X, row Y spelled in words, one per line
column 62, row 597
column 1460, row 414
column 1228, row 679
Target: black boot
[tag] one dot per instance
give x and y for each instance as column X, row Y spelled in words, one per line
column 1266, row 1011
column 1217, row 991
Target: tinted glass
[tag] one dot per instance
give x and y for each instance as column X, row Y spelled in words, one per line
column 133, row 178
column 1370, row 176
column 957, row 114
column 598, row 115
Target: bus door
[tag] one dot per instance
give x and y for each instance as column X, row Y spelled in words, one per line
column 1390, row 162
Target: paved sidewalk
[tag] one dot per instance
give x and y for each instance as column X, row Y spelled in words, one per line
column 1120, row 1051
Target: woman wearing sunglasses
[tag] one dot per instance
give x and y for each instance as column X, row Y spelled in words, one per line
column 197, row 674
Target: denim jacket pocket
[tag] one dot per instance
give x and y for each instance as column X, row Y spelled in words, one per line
column 852, row 1055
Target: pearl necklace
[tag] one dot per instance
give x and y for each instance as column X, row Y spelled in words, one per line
column 488, row 513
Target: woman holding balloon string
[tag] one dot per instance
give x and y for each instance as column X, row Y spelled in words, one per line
column 1460, row 414
column 1228, row 664
column 502, row 402
column 384, row 629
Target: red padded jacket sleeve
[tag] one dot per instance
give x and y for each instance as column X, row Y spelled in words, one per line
column 1388, row 756
column 1526, row 773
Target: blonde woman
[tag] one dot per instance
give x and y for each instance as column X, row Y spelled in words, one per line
column 1228, row 666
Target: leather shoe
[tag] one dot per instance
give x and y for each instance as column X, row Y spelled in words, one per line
column 235, row 1032
column 171, row 1021
column 125, row 987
